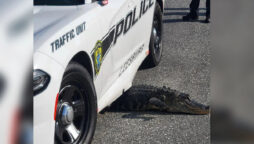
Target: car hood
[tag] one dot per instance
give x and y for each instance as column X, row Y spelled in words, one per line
column 48, row 19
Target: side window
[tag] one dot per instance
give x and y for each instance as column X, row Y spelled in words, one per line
column 58, row 2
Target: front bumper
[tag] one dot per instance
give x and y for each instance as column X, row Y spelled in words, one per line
column 44, row 102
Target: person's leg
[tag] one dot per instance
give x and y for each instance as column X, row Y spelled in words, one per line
column 208, row 7
column 194, row 6
column 193, row 15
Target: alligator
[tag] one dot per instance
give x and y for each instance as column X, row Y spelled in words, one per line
column 164, row 99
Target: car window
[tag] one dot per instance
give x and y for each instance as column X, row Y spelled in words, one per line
column 58, row 2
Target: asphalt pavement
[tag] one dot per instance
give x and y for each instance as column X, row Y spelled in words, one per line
column 185, row 66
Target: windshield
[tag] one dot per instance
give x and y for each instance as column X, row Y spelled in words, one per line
column 58, row 2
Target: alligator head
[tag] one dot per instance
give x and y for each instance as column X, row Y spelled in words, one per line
column 176, row 102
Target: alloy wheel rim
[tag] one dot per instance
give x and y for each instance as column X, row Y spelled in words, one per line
column 157, row 37
column 72, row 115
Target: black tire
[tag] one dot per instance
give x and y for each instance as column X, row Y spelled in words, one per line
column 77, row 96
column 155, row 45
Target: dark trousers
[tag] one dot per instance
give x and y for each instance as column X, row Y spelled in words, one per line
column 194, row 7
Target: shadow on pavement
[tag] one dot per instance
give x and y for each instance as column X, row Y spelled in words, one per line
column 182, row 9
column 148, row 115
column 137, row 115
column 179, row 20
column 167, row 13
column 181, row 13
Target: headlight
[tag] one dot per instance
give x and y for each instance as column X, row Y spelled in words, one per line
column 40, row 81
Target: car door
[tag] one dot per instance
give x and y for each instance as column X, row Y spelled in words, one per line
column 113, row 43
column 136, row 35
column 132, row 24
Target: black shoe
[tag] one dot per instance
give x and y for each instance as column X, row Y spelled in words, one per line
column 190, row 17
column 206, row 20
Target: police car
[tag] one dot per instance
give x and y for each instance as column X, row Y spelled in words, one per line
column 86, row 55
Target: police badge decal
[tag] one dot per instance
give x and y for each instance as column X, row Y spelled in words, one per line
column 97, row 57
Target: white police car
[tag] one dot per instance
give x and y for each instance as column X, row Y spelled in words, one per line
column 86, row 55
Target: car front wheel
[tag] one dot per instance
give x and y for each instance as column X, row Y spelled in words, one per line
column 76, row 112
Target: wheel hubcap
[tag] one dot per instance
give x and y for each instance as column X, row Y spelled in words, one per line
column 66, row 114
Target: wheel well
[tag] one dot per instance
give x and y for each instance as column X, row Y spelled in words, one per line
column 161, row 4
column 83, row 59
